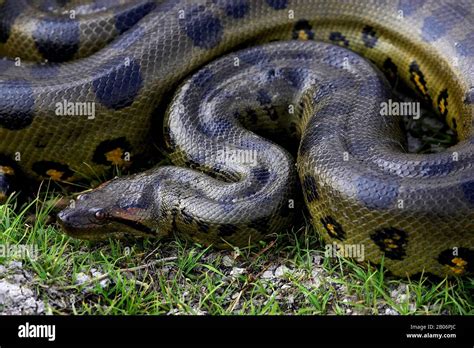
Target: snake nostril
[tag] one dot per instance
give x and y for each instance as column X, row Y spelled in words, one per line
column 63, row 217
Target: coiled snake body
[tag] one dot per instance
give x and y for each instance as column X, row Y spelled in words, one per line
column 68, row 119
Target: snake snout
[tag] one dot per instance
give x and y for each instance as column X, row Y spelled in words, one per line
column 76, row 224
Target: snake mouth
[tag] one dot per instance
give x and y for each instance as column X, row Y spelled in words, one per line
column 76, row 225
column 81, row 230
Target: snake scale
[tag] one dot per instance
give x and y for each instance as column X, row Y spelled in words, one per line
column 86, row 85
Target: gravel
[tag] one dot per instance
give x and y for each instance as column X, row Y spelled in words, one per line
column 15, row 296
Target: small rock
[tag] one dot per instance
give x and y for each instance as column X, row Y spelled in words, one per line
column 237, row 271
column 173, row 311
column 268, row 275
column 281, row 271
column 18, row 279
column 96, row 274
column 317, row 260
column 390, row 311
column 15, row 265
column 227, row 261
column 18, row 300
column 81, row 278
column 402, row 298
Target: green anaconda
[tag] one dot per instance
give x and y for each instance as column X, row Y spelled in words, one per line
column 86, row 85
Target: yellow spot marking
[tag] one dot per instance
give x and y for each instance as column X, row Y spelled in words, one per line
column 442, row 105
column 3, row 197
column 302, row 35
column 460, row 265
column 331, row 229
column 390, row 244
column 419, row 84
column 54, row 174
column 115, row 156
column 7, row 170
column 459, row 262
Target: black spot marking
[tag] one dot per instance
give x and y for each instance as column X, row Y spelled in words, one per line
column 391, row 71
column 226, row 230
column 263, row 97
column 11, row 179
column 295, row 77
column 469, row 98
column 369, row 36
column 426, row 275
column 333, row 228
column 127, row 19
column 391, row 241
column 292, row 128
column 7, row 166
column 285, row 210
column 303, row 31
column 187, row 218
column 204, row 79
column 418, row 79
column 234, row 8
column 16, row 104
column 252, row 115
column 118, row 83
column 203, row 28
column 310, row 188
column 339, row 38
column 468, row 190
column 460, row 261
column 54, row 170
column 174, row 225
column 8, row 14
column 443, row 103
column 271, row 112
column 278, row 4
column 105, row 148
column 202, row 226
column 261, row 174
column 261, row 224
column 57, row 39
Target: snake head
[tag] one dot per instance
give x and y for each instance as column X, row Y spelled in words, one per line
column 116, row 208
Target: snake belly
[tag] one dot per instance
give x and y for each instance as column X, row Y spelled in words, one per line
column 413, row 211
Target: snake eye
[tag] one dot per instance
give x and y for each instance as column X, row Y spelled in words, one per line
column 100, row 215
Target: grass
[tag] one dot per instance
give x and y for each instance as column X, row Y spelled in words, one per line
column 287, row 275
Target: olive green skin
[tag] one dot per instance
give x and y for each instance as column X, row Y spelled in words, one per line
column 361, row 188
